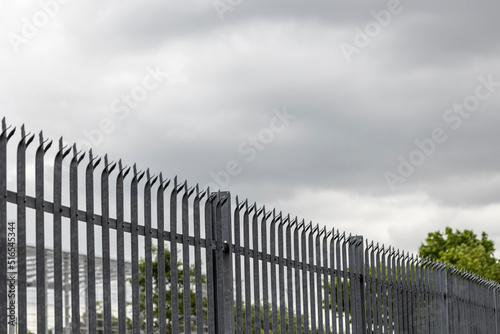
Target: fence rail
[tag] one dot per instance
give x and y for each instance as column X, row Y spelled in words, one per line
column 198, row 265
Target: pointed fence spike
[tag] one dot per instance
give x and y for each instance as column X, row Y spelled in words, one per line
column 30, row 139
column 300, row 225
column 9, row 135
column 314, row 229
column 49, row 144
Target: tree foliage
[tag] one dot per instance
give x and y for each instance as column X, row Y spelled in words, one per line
column 464, row 250
column 168, row 288
column 270, row 317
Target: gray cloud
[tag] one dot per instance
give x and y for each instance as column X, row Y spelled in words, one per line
column 225, row 78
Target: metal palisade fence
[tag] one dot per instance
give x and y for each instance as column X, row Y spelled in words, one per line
column 200, row 261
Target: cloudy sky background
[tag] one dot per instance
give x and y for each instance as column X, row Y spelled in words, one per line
column 227, row 78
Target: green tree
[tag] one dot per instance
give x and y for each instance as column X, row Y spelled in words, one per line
column 168, row 289
column 463, row 250
column 270, row 317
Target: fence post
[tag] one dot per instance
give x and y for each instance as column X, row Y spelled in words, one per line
column 446, row 297
column 5, row 134
column 495, row 305
column 360, row 305
column 223, row 263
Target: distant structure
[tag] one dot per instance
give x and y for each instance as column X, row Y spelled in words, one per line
column 31, row 290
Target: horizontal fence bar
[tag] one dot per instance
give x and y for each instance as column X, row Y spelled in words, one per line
column 97, row 220
column 141, row 230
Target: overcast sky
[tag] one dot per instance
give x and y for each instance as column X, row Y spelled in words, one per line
column 378, row 118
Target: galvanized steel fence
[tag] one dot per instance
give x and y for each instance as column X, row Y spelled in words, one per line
column 198, row 265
